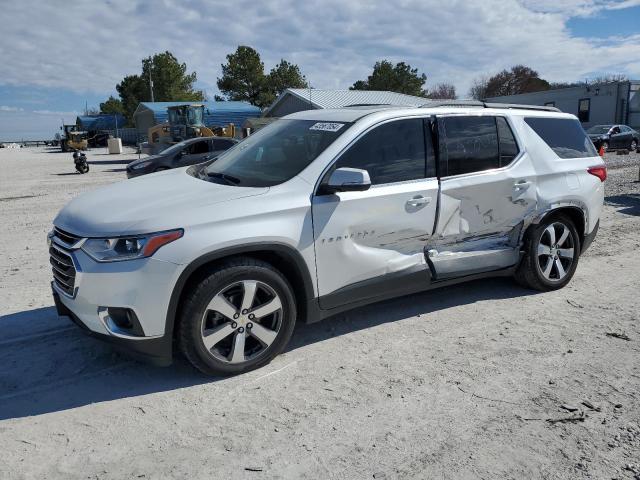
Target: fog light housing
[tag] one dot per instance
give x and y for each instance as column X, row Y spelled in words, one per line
column 121, row 322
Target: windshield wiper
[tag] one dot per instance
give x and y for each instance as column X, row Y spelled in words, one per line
column 230, row 179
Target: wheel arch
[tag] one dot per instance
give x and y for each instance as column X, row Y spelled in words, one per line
column 578, row 216
column 282, row 257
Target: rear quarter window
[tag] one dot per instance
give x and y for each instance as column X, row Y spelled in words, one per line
column 565, row 136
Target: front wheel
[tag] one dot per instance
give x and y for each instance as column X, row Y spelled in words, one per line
column 551, row 253
column 634, row 145
column 238, row 318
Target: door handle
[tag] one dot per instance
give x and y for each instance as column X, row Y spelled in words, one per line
column 418, row 200
column 521, row 186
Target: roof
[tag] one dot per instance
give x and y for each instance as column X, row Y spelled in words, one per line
column 102, row 121
column 161, row 107
column 352, row 114
column 215, row 113
column 342, row 98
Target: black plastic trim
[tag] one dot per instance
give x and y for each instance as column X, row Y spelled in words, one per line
column 589, row 238
column 156, row 351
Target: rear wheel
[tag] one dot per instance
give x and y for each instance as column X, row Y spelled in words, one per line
column 634, row 145
column 238, row 318
column 552, row 250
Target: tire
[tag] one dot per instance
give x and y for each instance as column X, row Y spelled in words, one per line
column 217, row 321
column 634, row 145
column 534, row 270
column 605, row 145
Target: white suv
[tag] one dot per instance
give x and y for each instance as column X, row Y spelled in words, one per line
column 320, row 212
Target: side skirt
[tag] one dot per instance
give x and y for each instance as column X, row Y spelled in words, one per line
column 414, row 282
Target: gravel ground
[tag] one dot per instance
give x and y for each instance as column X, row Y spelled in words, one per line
column 467, row 382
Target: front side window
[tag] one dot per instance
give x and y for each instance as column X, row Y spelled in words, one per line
column 198, row 148
column 274, row 154
column 564, row 136
column 392, row 152
column 468, row 144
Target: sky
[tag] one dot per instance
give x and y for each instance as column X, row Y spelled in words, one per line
column 58, row 55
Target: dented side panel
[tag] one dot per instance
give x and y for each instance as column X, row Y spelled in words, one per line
column 364, row 235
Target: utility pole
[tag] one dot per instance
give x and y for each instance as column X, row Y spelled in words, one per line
column 151, row 85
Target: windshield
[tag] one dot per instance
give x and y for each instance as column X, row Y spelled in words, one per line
column 194, row 116
column 274, row 154
column 600, row 129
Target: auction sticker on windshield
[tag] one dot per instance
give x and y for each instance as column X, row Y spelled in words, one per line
column 326, row 126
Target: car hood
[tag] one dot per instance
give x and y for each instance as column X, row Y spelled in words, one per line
column 598, row 135
column 146, row 204
column 152, row 158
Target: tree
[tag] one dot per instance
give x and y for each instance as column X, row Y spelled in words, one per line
column 400, row 78
column 243, row 76
column 478, row 88
column 443, row 91
column 171, row 83
column 112, row 106
column 519, row 79
column 282, row 76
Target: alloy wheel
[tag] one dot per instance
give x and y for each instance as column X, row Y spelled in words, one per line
column 555, row 252
column 241, row 321
column 634, row 145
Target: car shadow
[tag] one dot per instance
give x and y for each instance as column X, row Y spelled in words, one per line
column 47, row 364
column 65, row 174
column 629, row 203
column 109, row 162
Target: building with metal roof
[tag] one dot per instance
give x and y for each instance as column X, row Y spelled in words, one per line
column 103, row 121
column 593, row 104
column 216, row 114
column 298, row 99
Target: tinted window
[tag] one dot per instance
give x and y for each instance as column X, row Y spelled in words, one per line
column 274, row 154
column 198, row 147
column 222, row 144
column 392, row 152
column 564, row 135
column 507, row 142
column 468, row 144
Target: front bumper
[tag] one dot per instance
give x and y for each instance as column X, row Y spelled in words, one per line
column 141, row 286
column 156, row 351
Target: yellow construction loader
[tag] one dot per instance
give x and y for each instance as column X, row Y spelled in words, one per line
column 185, row 121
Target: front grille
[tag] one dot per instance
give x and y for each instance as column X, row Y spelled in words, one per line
column 66, row 237
column 64, row 272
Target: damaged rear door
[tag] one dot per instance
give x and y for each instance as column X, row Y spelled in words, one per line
column 371, row 243
column 488, row 189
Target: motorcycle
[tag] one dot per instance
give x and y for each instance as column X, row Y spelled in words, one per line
column 80, row 160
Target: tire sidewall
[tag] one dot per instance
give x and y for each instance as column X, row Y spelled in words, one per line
column 533, row 251
column 193, row 316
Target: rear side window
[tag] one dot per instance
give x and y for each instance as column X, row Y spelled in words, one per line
column 564, row 136
column 392, row 152
column 468, row 144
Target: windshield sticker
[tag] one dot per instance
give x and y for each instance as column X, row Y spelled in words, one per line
column 327, row 127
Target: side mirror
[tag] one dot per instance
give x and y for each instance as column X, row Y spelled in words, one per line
column 347, row 180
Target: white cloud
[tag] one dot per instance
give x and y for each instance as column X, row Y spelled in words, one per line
column 6, row 108
column 90, row 46
column 57, row 113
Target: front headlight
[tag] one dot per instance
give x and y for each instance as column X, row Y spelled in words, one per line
column 140, row 165
column 128, row 248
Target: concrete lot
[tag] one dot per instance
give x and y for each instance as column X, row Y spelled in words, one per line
column 456, row 383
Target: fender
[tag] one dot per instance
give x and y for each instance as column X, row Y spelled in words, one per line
column 282, row 249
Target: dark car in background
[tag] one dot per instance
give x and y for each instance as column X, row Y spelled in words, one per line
column 614, row 137
column 183, row 154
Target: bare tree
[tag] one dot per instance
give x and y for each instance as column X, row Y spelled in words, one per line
column 442, row 91
column 478, row 88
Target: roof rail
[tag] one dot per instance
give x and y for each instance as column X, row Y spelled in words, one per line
column 478, row 103
column 368, row 105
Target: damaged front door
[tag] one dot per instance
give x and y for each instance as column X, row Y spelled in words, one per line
column 373, row 241
column 487, row 191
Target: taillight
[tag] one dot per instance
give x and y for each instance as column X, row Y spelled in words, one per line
column 600, row 172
